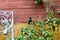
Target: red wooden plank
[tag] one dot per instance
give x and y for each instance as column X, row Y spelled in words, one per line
column 18, row 0
column 2, row 0
column 27, row 16
column 19, row 5
column 29, row 12
column 16, row 5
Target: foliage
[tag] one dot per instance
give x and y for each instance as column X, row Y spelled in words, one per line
column 27, row 34
column 32, row 23
column 41, row 23
column 46, row 35
column 47, row 1
column 42, row 1
column 38, row 1
column 51, row 20
column 58, row 11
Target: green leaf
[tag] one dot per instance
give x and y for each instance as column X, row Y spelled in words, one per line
column 36, row 1
column 41, row 38
column 41, row 23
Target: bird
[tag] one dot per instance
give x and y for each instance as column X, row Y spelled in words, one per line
column 30, row 20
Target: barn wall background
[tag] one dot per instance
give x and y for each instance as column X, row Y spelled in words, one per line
column 23, row 9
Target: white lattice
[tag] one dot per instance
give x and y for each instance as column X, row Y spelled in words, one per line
column 6, row 22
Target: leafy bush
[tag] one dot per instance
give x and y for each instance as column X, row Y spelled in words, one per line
column 41, row 23
column 27, row 34
column 58, row 11
column 52, row 21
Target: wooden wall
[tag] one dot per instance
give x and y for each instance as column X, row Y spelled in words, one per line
column 23, row 9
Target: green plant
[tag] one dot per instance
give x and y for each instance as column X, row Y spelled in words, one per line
column 38, row 1
column 32, row 23
column 51, row 20
column 47, row 1
column 42, row 1
column 58, row 11
column 40, row 23
column 46, row 35
column 27, row 34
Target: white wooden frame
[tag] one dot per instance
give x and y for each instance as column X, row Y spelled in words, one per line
column 7, row 22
